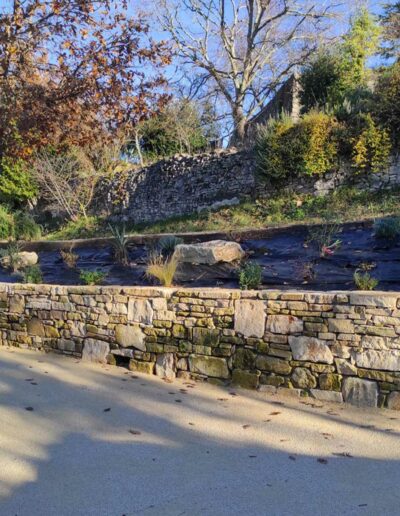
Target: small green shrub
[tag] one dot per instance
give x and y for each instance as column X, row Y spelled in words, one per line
column 92, row 277
column 250, row 276
column 81, row 228
column 364, row 281
column 25, row 227
column 69, row 257
column 32, row 274
column 120, row 244
column 6, row 224
column 371, row 148
column 16, row 183
column 162, row 269
column 166, row 245
column 388, row 229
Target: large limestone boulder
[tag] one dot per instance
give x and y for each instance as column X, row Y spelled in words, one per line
column 25, row 259
column 209, row 253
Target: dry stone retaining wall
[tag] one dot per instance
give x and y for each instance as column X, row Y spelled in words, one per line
column 334, row 346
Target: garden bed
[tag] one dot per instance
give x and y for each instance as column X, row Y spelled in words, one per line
column 288, row 256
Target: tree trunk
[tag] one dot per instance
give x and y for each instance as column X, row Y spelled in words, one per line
column 240, row 123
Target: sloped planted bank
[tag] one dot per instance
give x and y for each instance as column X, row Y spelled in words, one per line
column 339, row 346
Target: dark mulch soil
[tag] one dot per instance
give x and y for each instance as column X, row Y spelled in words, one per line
column 288, row 261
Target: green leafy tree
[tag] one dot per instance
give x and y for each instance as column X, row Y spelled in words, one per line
column 387, row 106
column 390, row 21
column 176, row 129
column 16, row 183
column 333, row 76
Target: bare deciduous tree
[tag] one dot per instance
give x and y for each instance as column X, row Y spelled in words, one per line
column 68, row 181
column 245, row 48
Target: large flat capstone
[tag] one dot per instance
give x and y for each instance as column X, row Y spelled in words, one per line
column 362, row 393
column 209, row 253
column 310, row 349
column 250, row 317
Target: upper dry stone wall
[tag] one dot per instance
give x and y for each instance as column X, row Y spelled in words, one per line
column 189, row 184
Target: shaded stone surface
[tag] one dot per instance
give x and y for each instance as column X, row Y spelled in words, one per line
column 209, row 253
column 362, row 393
column 250, row 317
column 36, row 327
column 273, row 365
column 303, row 379
column 95, row 351
column 209, row 366
column 310, row 349
column 393, row 402
column 25, row 259
column 246, row 379
column 130, row 336
column 345, row 367
column 335, row 397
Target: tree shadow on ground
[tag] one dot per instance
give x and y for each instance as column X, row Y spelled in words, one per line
column 175, row 449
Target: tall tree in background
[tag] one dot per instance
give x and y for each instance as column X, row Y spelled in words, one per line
column 390, row 21
column 72, row 70
column 245, row 48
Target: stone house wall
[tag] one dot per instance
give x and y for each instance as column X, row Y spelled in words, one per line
column 333, row 346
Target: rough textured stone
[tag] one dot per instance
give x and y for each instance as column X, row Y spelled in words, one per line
column 310, row 349
column 386, row 360
column 245, row 379
column 165, row 365
column 141, row 367
column 95, row 351
column 273, row 365
column 25, row 259
column 335, row 397
column 17, row 304
column 330, row 382
column 140, row 311
column 130, row 336
column 393, row 401
column 345, row 367
column 303, row 379
column 284, row 324
column 206, row 336
column 375, row 300
column 209, row 366
column 362, row 393
column 341, row 326
column 244, row 359
column 36, row 327
column 250, row 317
column 209, row 253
